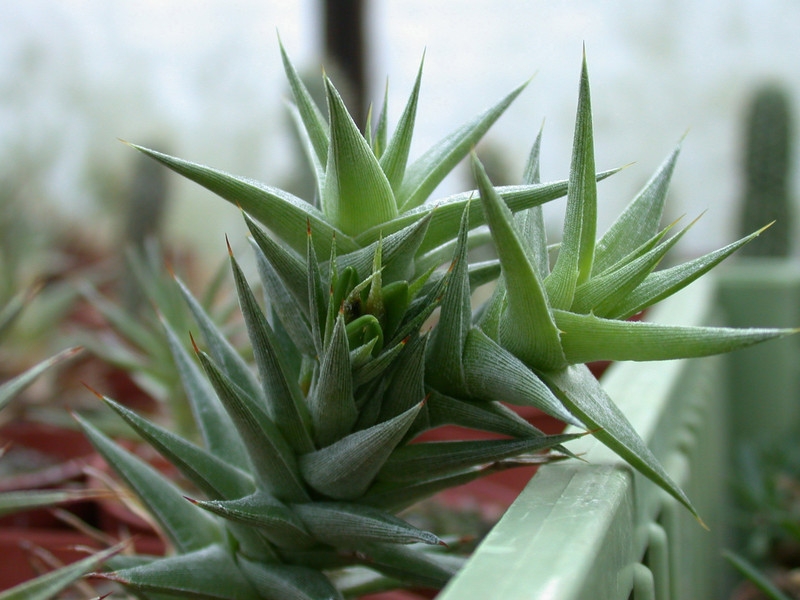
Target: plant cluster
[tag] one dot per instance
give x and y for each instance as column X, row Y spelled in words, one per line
column 307, row 458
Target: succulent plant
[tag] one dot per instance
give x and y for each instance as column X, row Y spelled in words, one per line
column 766, row 162
column 304, row 466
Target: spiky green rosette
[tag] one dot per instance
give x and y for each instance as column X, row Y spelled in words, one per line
column 304, row 464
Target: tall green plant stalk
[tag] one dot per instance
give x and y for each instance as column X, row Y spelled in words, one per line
column 307, row 456
column 766, row 162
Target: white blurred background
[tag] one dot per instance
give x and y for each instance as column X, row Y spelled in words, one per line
column 203, row 80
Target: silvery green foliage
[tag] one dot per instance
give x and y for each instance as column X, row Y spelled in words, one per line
column 306, row 457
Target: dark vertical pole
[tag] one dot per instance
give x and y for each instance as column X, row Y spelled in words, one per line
column 344, row 43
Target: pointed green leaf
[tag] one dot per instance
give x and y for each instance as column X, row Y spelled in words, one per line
column 278, row 522
column 582, row 180
column 214, row 424
column 407, row 386
column 314, row 122
column 49, row 585
column 317, row 165
column 343, row 285
column 127, row 324
column 14, row 307
column 331, row 404
column 574, row 263
column 206, row 574
column 274, row 464
column 418, row 312
column 531, row 221
column 416, row 286
column 9, row 389
column 332, row 307
column 286, row 263
column 382, row 128
column 289, row 582
column 126, row 561
column 395, row 303
column 374, row 303
column 581, row 393
column 209, row 472
column 487, row 318
column 397, row 496
column 357, row 194
column 448, row 211
column 587, row 338
column 363, row 354
column 494, row 373
column 221, row 349
column 420, row 309
column 602, row 293
column 317, row 307
column 455, row 320
column 346, row 525
column 411, row 565
column 397, row 252
column 378, row 365
column 344, row 470
column 440, row 459
column 526, row 327
column 189, row 528
column 662, row 284
column 760, row 580
column 284, row 400
column 395, row 158
column 318, row 558
column 368, row 400
column 427, row 172
column 637, row 252
column 14, row 501
column 284, row 214
column 368, row 130
column 477, row 238
column 490, row 416
column 639, row 221
column 284, row 304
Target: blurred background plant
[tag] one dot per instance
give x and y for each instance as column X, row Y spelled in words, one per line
column 133, row 339
column 767, row 515
column 767, row 161
column 766, row 481
column 37, row 255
